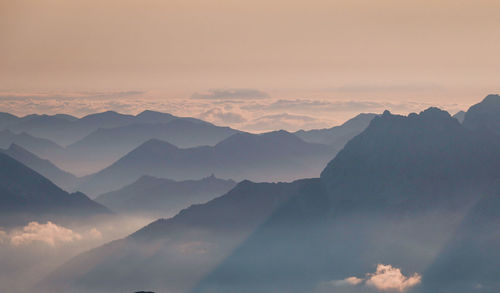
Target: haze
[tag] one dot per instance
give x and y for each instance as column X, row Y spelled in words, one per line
column 443, row 53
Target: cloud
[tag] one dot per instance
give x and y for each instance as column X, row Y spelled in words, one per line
column 218, row 116
column 350, row 281
column 49, row 233
column 389, row 278
column 385, row 278
column 370, row 88
column 231, row 94
column 3, row 237
column 95, row 234
column 286, row 121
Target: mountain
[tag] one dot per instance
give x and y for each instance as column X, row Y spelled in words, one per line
column 460, row 116
column 97, row 140
column 393, row 195
column 40, row 146
column 7, row 119
column 469, row 261
column 45, row 168
column 274, row 156
column 25, row 196
column 338, row 136
column 406, row 192
column 171, row 255
column 45, row 126
column 104, row 146
column 152, row 117
column 66, row 129
column 484, row 116
column 159, row 197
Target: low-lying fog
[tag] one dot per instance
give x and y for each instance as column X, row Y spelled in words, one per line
column 30, row 253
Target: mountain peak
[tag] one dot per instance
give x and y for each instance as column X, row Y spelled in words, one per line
column 149, row 116
column 410, row 143
column 484, row 116
column 492, row 99
column 435, row 113
column 18, row 149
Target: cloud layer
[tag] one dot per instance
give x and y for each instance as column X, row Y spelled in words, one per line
column 231, row 94
column 246, row 109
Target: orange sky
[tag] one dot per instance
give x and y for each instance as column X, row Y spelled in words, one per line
column 400, row 51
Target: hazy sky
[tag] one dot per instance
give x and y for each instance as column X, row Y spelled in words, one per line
column 388, row 52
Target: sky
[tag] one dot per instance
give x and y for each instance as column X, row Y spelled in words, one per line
column 256, row 65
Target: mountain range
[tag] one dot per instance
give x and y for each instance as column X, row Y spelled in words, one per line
column 97, row 140
column 158, row 197
column 418, row 192
column 274, row 156
column 86, row 145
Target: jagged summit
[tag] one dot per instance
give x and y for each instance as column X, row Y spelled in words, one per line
column 484, row 116
column 396, row 151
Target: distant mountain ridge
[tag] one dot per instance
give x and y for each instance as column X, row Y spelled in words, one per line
column 39, row 146
column 65, row 129
column 338, row 136
column 151, row 196
column 274, row 156
column 95, row 141
column 50, row 171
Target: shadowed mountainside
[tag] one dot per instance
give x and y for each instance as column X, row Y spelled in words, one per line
column 484, row 116
column 26, row 196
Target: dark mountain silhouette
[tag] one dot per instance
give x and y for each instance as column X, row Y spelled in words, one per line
column 484, row 116
column 104, row 146
column 159, row 197
column 394, row 195
column 460, row 116
column 45, row 168
column 26, row 195
column 274, row 156
column 338, row 136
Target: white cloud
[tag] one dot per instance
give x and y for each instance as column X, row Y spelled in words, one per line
column 385, row 278
column 389, row 278
column 49, row 233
